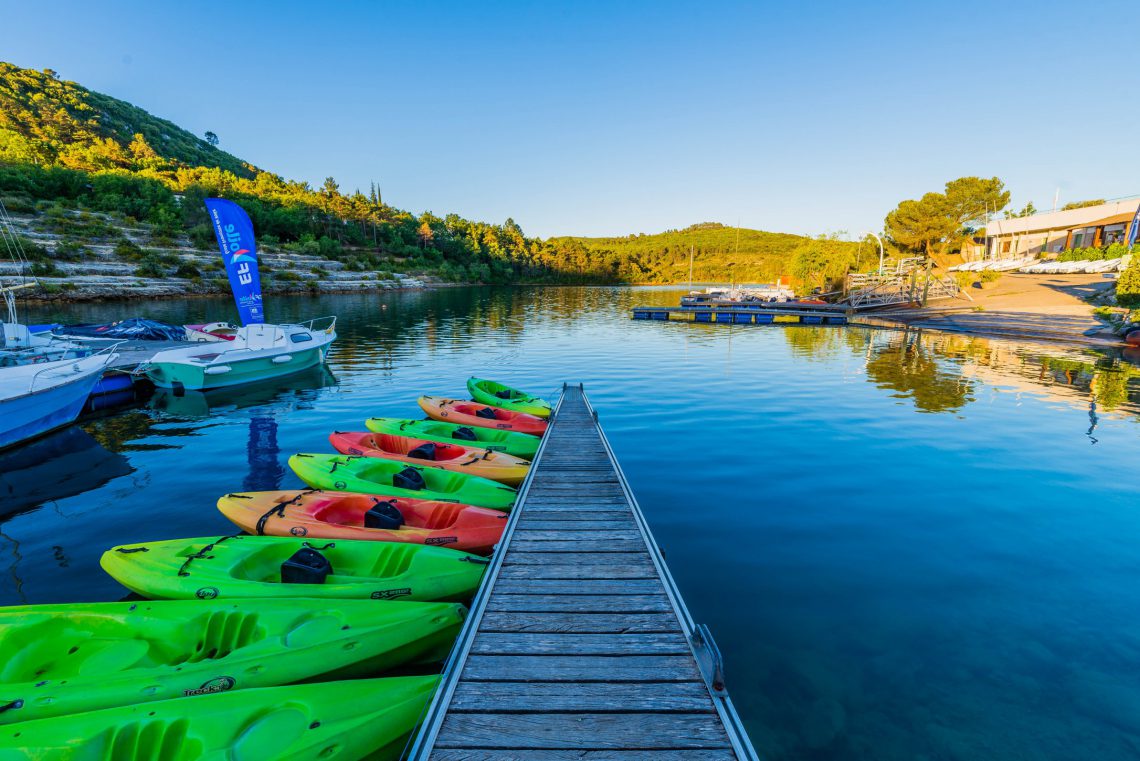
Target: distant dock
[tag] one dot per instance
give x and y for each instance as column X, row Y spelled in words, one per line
column 578, row 644
column 746, row 313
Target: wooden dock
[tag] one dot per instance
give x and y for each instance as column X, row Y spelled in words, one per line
column 772, row 314
column 578, row 644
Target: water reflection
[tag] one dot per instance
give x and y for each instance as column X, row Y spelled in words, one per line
column 301, row 387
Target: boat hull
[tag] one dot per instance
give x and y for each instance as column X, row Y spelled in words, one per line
column 251, row 370
column 35, row 414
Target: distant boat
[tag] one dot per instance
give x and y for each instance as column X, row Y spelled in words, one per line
column 256, row 353
column 37, row 398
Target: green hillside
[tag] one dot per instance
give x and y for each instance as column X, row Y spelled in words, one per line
column 66, row 152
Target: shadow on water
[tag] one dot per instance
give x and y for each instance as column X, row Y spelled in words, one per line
column 908, row 545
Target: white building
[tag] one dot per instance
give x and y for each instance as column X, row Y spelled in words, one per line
column 1052, row 232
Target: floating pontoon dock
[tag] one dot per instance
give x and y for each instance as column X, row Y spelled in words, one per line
column 578, row 644
column 745, row 314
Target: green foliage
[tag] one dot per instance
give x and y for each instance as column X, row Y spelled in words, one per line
column 989, row 276
column 1082, row 204
column 938, row 222
column 188, row 271
column 46, row 269
column 1027, row 211
column 965, row 279
column 1128, row 285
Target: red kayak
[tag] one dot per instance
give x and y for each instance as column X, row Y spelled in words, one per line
column 482, row 415
column 345, row 515
column 497, row 466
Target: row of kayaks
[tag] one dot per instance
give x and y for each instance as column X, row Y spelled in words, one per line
column 264, row 644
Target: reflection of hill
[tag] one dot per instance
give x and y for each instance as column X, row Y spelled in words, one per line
column 909, row 365
column 64, row 464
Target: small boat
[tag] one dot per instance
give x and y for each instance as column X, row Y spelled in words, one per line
column 393, row 478
column 500, row 395
column 75, row 657
column 211, row 331
column 515, row 444
column 37, row 398
column 348, row 720
column 277, row 566
column 339, row 515
column 473, row 461
column 256, row 353
column 473, row 413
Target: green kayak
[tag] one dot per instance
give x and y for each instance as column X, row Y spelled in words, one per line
column 517, row 444
column 65, row 659
column 393, row 478
column 500, row 395
column 281, row 566
column 348, row 721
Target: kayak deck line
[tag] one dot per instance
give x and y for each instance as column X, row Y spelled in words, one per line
column 578, row 643
column 744, row 315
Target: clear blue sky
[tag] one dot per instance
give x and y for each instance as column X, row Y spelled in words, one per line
column 611, row 118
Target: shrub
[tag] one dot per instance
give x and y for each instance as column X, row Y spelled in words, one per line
column 20, row 204
column 71, row 250
column 989, row 276
column 46, row 268
column 188, row 271
column 289, row 277
column 1128, row 286
column 964, row 279
column 150, row 268
column 129, row 250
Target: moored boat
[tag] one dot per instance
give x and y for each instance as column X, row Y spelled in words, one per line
column 376, row 475
column 340, row 515
column 475, row 461
column 257, row 352
column 501, row 395
column 75, row 657
column 37, row 398
column 211, row 331
column 482, row 415
column 515, row 444
column 274, row 566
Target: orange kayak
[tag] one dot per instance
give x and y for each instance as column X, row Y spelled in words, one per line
column 484, row 463
column 344, row 515
column 482, row 415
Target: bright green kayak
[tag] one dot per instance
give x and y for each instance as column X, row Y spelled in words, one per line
column 501, row 395
column 517, row 444
column 281, row 566
column 393, row 478
column 348, row 721
column 65, row 659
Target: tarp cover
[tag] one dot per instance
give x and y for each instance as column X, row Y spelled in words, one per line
column 135, row 328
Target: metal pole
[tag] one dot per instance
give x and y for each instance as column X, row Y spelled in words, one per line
column 690, row 266
column 880, row 240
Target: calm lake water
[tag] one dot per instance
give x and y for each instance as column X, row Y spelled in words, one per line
column 907, row 546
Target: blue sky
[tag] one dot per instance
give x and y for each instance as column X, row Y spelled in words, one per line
column 612, row 118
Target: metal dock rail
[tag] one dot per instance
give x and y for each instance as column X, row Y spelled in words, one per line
column 578, row 644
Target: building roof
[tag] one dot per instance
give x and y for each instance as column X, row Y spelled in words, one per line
column 1066, row 220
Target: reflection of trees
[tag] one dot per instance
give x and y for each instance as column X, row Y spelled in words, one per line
column 908, row 366
column 812, row 342
column 117, row 431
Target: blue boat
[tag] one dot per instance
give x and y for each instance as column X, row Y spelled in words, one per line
column 37, row 398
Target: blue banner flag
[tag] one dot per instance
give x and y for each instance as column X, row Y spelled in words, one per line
column 234, row 231
column 1133, row 230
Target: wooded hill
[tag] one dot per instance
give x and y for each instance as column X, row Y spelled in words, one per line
column 67, row 151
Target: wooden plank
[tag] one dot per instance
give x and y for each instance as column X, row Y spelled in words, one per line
column 649, row 697
column 512, row 573
column 519, row 557
column 577, row 504
column 589, row 730
column 579, row 545
column 575, row 532
column 516, row 643
column 534, row 754
column 584, row 623
column 581, row 668
column 559, row 518
column 563, row 603
column 606, row 586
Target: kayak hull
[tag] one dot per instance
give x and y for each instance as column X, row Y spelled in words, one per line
column 66, row 659
column 474, row 461
column 355, row 719
column 503, row 396
column 250, row 566
column 467, row 413
column 520, row 445
column 337, row 515
column 378, row 475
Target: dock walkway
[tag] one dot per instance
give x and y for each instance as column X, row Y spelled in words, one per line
column 578, row 644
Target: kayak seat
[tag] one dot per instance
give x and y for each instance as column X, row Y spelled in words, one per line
column 384, row 515
column 425, row 451
column 464, row 434
column 409, row 478
column 306, row 566
column 486, row 413
column 503, row 394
